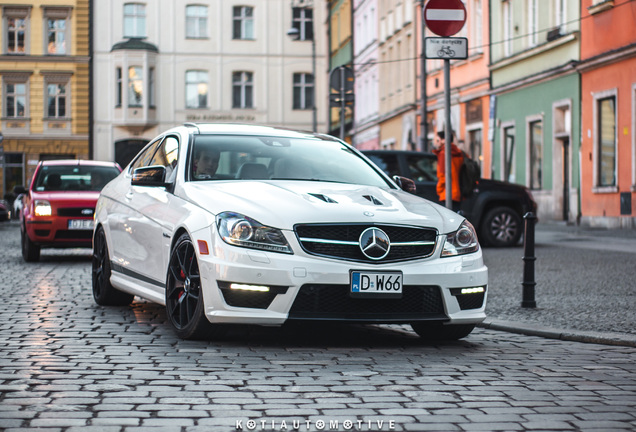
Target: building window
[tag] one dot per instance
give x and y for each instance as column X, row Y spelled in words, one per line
column 134, row 20
column 135, row 86
column 15, row 97
column 243, row 23
column 303, row 20
column 196, row 89
column 196, row 22
column 560, row 14
column 118, row 95
column 606, row 150
column 533, row 22
column 507, row 28
column 151, row 87
column 57, row 30
column 242, row 90
column 536, row 154
column 474, row 146
column 508, row 154
column 56, row 100
column 477, row 28
column 303, row 91
column 17, row 27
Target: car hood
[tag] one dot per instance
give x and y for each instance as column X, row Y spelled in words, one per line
column 282, row 204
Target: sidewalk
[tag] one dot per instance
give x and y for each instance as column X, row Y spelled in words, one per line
column 585, row 285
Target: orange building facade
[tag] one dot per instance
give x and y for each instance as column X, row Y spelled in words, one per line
column 608, row 113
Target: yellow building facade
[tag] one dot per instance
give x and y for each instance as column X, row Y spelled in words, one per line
column 45, row 86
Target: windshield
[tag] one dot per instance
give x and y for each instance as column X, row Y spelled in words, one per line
column 217, row 157
column 74, row 177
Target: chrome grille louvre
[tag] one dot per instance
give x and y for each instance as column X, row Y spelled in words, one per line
column 341, row 241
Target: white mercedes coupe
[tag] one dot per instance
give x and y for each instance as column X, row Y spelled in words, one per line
column 242, row 224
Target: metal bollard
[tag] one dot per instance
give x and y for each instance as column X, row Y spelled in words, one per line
column 528, row 262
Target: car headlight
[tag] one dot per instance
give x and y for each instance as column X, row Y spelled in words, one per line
column 462, row 241
column 42, row 208
column 239, row 230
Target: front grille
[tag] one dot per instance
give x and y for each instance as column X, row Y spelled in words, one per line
column 470, row 301
column 341, row 241
column 74, row 234
column 76, row 211
column 332, row 302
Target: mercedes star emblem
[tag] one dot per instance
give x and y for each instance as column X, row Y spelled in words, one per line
column 374, row 243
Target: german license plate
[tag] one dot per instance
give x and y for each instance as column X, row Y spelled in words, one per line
column 80, row 224
column 376, row 284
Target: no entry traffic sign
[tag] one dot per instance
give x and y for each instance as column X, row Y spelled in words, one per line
column 445, row 17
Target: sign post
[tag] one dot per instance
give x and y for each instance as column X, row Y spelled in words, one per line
column 445, row 18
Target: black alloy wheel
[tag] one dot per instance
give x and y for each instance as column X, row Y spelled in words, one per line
column 103, row 292
column 184, row 296
column 502, row 227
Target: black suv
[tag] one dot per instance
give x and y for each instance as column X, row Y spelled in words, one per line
column 495, row 208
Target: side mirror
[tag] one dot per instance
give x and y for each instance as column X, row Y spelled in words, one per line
column 19, row 190
column 406, row 184
column 150, row 176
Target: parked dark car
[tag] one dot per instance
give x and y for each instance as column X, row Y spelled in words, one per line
column 495, row 208
column 5, row 214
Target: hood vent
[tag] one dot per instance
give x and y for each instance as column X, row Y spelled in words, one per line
column 324, row 198
column 373, row 199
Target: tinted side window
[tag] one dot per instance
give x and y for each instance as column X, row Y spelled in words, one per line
column 166, row 155
column 422, row 168
column 387, row 163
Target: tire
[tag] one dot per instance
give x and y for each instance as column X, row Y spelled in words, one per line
column 103, row 292
column 440, row 332
column 184, row 296
column 501, row 227
column 30, row 251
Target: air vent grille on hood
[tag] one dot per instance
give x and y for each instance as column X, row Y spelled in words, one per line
column 373, row 199
column 324, row 198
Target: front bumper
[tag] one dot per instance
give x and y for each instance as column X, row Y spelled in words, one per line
column 55, row 232
column 307, row 287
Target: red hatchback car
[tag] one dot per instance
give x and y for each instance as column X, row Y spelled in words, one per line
column 60, row 202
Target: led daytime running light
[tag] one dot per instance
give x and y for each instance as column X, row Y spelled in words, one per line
column 475, row 290
column 243, row 287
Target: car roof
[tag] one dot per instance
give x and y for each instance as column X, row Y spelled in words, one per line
column 78, row 162
column 250, row 129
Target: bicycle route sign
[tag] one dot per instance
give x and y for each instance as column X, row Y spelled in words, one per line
column 446, row 48
column 445, row 17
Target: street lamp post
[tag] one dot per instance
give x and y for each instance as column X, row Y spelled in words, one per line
column 294, row 34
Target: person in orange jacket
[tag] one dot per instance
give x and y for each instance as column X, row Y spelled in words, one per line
column 457, row 158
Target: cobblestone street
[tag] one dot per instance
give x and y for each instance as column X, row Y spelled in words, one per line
column 67, row 364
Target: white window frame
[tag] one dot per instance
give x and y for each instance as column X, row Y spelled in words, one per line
column 502, row 157
column 243, row 19
column 560, row 15
column 533, row 22
column 18, row 13
column 301, row 23
column 200, row 80
column 476, row 27
column 596, row 188
column 304, row 88
column 530, row 120
column 137, row 18
column 59, row 81
column 130, row 90
column 58, row 14
column 196, row 21
column 506, row 15
column 15, row 79
column 245, row 81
